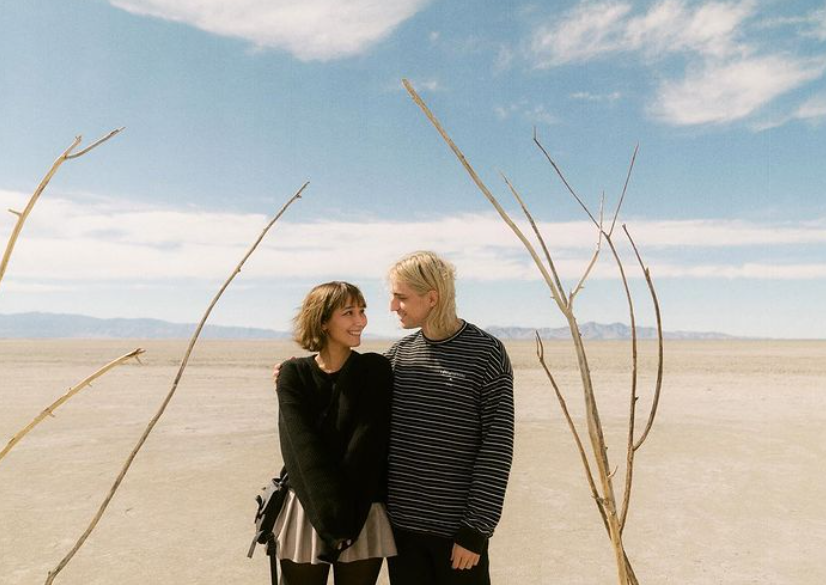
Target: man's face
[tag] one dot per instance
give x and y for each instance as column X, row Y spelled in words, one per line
column 411, row 307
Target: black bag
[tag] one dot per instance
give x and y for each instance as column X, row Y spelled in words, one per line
column 270, row 501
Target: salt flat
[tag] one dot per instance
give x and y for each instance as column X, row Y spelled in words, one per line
column 727, row 487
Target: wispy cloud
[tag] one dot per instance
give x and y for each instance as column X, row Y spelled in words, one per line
column 309, row 30
column 723, row 92
column 586, row 96
column 812, row 111
column 595, row 30
column 74, row 240
column 532, row 113
column 728, row 73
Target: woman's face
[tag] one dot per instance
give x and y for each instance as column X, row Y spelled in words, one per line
column 346, row 324
column 411, row 307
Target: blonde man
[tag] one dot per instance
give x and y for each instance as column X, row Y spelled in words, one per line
column 451, row 438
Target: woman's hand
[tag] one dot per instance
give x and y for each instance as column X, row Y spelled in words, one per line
column 463, row 558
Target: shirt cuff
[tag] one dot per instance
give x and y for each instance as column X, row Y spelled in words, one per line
column 471, row 539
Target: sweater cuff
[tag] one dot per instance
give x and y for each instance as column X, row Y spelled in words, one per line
column 471, row 539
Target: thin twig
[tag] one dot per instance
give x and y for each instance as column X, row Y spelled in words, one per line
column 561, row 176
column 154, row 421
column 22, row 216
column 629, row 469
column 538, row 235
column 659, row 382
column 581, row 284
column 557, row 295
column 97, row 142
column 624, row 188
column 540, row 353
column 49, row 410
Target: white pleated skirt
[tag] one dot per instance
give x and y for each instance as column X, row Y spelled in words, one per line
column 299, row 542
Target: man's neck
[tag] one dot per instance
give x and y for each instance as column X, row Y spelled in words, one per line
column 434, row 334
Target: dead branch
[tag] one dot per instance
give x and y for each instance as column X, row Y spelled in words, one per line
column 22, row 216
column 127, row 464
column 624, row 188
column 539, row 237
column 564, row 181
column 659, row 383
column 540, row 353
column 629, row 453
column 581, row 284
column 49, row 410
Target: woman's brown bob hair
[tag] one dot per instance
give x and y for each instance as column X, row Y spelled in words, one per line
column 318, row 307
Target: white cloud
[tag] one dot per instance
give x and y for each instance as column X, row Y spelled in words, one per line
column 594, row 30
column 813, row 111
column 534, row 114
column 71, row 240
column 727, row 74
column 588, row 31
column 586, row 96
column 724, row 92
column 309, row 30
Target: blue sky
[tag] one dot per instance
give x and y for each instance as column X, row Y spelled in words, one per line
column 231, row 106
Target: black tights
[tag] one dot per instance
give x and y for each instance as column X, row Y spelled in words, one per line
column 364, row 572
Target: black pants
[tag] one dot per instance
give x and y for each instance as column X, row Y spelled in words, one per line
column 424, row 559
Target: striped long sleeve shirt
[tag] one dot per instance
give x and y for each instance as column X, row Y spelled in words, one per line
column 451, row 438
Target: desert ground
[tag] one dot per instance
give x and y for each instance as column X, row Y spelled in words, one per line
column 726, row 489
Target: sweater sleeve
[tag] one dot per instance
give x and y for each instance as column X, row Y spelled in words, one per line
column 492, row 466
column 312, row 470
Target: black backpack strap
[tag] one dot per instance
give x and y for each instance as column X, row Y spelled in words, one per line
column 271, row 546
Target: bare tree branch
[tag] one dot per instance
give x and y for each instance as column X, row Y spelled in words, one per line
column 154, row 421
column 561, row 176
column 540, row 353
column 624, row 188
column 49, row 410
column 659, row 383
column 581, row 284
column 22, row 216
column 97, row 143
column 538, row 236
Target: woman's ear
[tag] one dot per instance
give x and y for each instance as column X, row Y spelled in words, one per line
column 432, row 298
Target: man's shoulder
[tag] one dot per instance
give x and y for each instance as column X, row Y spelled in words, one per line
column 477, row 335
column 487, row 348
column 406, row 341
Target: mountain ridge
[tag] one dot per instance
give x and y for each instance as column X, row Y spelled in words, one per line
column 37, row 325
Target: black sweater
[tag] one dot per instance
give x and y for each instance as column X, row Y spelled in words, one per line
column 334, row 431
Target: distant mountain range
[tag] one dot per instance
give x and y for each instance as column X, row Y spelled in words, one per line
column 593, row 330
column 63, row 326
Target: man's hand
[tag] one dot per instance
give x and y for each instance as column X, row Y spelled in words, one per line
column 462, row 558
column 277, row 368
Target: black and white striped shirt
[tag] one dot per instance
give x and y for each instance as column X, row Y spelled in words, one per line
column 451, row 438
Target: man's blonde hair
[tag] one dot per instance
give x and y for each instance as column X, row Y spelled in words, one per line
column 318, row 307
column 424, row 271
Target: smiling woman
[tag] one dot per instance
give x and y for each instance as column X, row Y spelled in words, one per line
column 334, row 425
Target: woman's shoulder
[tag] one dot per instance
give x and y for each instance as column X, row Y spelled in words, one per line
column 295, row 366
